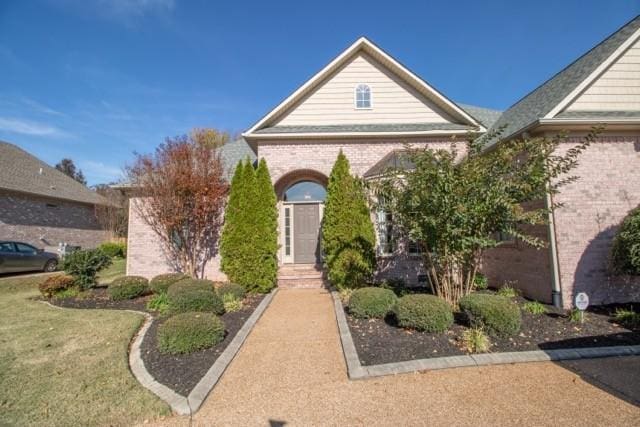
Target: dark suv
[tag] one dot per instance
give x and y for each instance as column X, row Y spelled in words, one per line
column 18, row 256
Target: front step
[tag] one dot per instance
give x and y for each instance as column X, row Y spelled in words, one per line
column 306, row 276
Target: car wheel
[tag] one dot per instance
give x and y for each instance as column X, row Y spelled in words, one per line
column 51, row 265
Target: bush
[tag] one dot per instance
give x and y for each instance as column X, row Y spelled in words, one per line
column 475, row 340
column 194, row 295
column 114, row 249
column 424, row 312
column 495, row 314
column 577, row 316
column 234, row 289
column 398, row 286
column 159, row 302
column 366, row 303
column 128, row 287
column 160, row 283
column 231, row 303
column 625, row 250
column 84, row 265
column 481, row 282
column 508, row 291
column 627, row 318
column 189, row 332
column 534, row 307
column 53, row 285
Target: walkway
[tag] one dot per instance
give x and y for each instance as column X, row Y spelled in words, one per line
column 291, row 371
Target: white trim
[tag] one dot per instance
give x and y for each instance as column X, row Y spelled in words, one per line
column 594, row 75
column 364, row 44
column 354, row 134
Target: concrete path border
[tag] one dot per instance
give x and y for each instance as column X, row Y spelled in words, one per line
column 357, row 371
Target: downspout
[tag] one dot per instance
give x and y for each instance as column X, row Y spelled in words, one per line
column 556, row 292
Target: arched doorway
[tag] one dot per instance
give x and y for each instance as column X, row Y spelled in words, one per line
column 301, row 197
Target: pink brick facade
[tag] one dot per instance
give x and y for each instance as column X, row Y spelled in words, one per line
column 594, row 206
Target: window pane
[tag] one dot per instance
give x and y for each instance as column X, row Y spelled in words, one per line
column 305, row 191
column 6, row 247
column 25, row 249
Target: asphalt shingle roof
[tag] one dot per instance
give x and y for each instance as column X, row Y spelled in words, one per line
column 25, row 173
column 234, row 151
column 543, row 99
column 392, row 127
column 486, row 116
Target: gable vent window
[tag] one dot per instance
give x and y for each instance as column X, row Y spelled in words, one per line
column 363, row 96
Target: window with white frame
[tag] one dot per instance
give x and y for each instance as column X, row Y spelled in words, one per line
column 384, row 220
column 363, row 96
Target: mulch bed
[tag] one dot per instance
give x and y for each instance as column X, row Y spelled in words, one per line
column 381, row 341
column 182, row 373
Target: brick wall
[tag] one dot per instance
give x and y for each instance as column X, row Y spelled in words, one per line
column 145, row 256
column 45, row 222
column 594, row 206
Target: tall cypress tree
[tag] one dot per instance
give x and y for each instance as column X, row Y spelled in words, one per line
column 348, row 236
column 265, row 237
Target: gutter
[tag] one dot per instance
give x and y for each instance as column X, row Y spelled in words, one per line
column 556, row 290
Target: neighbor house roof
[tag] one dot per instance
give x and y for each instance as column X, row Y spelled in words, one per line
column 552, row 96
column 396, row 160
column 25, row 173
column 233, row 152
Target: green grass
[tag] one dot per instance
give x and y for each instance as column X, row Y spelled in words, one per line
column 111, row 273
column 61, row 367
column 534, row 307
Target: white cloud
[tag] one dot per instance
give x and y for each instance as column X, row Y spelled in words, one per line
column 27, row 127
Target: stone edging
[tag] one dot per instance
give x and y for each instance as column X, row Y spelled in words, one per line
column 188, row 405
column 357, row 371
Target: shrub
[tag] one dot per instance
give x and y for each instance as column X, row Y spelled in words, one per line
column 577, row 316
column 398, row 286
column 194, row 295
column 53, row 285
column 161, row 283
column 159, row 302
column 128, row 287
column 627, row 318
column 481, row 282
column 497, row 315
column 625, row 250
column 475, row 341
column 231, row 303
column 424, row 312
column 368, row 303
column 189, row 332
column 114, row 249
column 345, row 295
column 534, row 307
column 84, row 265
column 234, row 289
column 508, row 291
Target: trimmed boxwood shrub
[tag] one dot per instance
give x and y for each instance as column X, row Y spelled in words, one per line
column 625, row 250
column 497, row 315
column 189, row 332
column 366, row 303
column 114, row 249
column 194, row 295
column 128, row 287
column 160, row 283
column 55, row 284
column 234, row 289
column 424, row 313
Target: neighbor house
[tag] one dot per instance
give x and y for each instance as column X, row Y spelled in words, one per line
column 42, row 206
column 367, row 104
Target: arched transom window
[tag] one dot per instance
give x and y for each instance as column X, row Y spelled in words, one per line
column 363, row 96
column 305, row 191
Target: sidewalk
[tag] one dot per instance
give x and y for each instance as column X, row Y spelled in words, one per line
column 291, row 371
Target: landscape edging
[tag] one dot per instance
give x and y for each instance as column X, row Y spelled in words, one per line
column 356, row 370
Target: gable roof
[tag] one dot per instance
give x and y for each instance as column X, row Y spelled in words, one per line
column 556, row 93
column 25, row 173
column 365, row 45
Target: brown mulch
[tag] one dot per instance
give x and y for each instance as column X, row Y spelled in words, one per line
column 381, row 341
column 98, row 297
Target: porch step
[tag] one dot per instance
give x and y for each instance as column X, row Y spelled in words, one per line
column 300, row 276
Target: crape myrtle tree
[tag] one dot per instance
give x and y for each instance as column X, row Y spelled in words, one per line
column 249, row 242
column 183, row 193
column 454, row 205
column 348, row 236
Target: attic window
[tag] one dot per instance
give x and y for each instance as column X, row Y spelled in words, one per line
column 363, row 96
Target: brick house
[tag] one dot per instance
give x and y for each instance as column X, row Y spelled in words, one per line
column 42, row 206
column 367, row 104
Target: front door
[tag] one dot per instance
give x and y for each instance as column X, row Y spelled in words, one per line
column 306, row 229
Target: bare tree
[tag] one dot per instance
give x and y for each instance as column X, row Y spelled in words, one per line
column 113, row 217
column 183, row 193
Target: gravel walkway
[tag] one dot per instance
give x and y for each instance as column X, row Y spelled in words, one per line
column 291, row 371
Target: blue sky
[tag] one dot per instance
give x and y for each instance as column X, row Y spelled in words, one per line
column 96, row 80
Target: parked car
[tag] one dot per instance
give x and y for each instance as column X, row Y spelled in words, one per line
column 18, row 256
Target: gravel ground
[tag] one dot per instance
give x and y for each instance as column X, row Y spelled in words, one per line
column 291, row 371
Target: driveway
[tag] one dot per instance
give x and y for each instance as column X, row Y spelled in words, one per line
column 291, row 371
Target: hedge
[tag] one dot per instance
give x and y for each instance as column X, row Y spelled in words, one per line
column 128, row 287
column 366, row 303
column 160, row 283
column 498, row 316
column 189, row 332
column 424, row 313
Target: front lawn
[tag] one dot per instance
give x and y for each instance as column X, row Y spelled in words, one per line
column 115, row 270
column 66, row 366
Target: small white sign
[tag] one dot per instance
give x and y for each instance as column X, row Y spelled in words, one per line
column 582, row 301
